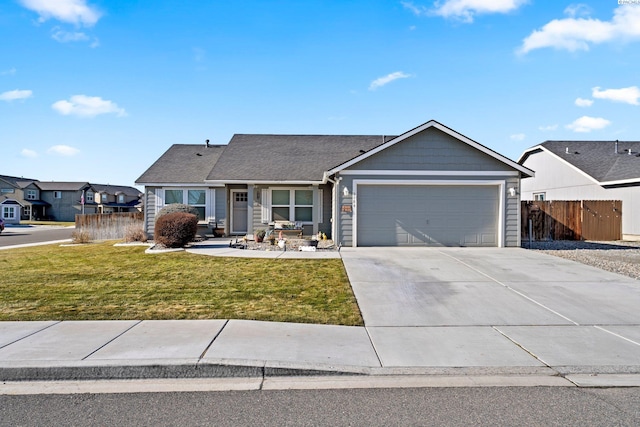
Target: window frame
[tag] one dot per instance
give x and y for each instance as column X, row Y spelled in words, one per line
column 208, row 205
column 57, row 194
column 31, row 194
column 540, row 197
column 292, row 205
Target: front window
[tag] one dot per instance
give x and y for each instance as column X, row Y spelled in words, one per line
column 27, row 211
column 8, row 212
column 292, row 205
column 57, row 194
column 193, row 198
column 31, row 194
column 120, row 198
column 89, row 196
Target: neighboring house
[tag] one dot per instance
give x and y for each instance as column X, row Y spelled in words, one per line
column 587, row 170
column 20, row 199
column 429, row 186
column 115, row 198
column 30, row 199
column 65, row 199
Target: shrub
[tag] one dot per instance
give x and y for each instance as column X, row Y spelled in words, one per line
column 177, row 207
column 80, row 237
column 174, row 230
column 135, row 234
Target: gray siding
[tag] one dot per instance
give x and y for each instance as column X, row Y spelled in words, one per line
column 431, row 150
column 65, row 208
column 149, row 209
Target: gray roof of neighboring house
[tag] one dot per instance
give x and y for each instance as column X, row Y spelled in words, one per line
column 288, row 157
column 597, row 159
column 183, row 163
column 115, row 189
column 61, row 185
column 18, row 182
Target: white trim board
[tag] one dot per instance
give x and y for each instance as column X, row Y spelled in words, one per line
column 426, row 173
column 431, row 183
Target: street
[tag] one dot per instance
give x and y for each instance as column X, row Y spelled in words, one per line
column 495, row 406
column 33, row 234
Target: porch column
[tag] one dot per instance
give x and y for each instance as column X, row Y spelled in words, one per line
column 251, row 189
column 314, row 210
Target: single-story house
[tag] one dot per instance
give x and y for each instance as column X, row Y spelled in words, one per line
column 587, row 170
column 430, row 186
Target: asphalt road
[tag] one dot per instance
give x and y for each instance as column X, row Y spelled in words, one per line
column 494, row 406
column 33, row 234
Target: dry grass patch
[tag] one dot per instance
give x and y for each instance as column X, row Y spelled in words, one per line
column 100, row 282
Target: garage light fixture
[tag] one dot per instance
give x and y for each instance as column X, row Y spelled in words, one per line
column 513, row 191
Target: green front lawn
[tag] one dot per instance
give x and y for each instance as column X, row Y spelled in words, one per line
column 99, row 281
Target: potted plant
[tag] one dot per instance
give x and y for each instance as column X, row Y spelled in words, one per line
column 259, row 235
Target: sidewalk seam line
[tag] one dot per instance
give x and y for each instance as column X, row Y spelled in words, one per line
column 616, row 335
column 373, row 346
column 512, row 289
column 31, row 334
column 211, row 342
column 111, row 340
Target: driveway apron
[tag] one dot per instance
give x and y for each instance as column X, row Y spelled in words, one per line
column 493, row 307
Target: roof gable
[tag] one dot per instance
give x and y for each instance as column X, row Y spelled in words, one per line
column 432, row 124
column 599, row 160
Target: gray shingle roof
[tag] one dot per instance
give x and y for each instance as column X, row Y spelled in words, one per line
column 18, row 182
column 288, row 157
column 598, row 159
column 183, row 163
column 61, row 185
column 115, row 189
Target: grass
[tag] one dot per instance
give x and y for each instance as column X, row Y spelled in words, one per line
column 100, row 282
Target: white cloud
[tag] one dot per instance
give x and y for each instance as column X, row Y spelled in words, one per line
column 63, row 36
column 9, row 72
column 587, row 124
column 579, row 9
column 517, row 137
column 465, row 10
column 628, row 95
column 548, row 128
column 71, row 11
column 415, row 9
column 381, row 81
column 87, row 106
column 581, row 102
column 63, row 150
column 28, row 153
column 12, row 95
column 574, row 34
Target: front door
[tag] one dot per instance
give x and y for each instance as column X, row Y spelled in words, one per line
column 239, row 201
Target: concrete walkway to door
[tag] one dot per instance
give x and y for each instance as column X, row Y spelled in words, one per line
column 462, row 307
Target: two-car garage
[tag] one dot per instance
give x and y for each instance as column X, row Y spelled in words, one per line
column 445, row 213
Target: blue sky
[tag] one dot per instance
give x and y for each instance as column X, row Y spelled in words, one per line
column 97, row 90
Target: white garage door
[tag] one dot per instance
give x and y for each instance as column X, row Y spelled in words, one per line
column 424, row 215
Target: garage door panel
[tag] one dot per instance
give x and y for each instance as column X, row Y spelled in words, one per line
column 407, row 215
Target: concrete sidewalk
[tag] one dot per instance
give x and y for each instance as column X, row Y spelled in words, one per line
column 121, row 349
column 409, row 305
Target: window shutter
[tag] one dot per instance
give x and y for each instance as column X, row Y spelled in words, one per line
column 266, row 206
column 320, row 206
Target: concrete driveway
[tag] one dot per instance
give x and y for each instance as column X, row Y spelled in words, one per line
column 494, row 307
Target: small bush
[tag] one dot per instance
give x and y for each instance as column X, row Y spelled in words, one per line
column 135, row 234
column 80, row 237
column 174, row 230
column 177, row 207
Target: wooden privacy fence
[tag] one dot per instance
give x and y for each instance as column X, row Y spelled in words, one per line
column 108, row 226
column 572, row 220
